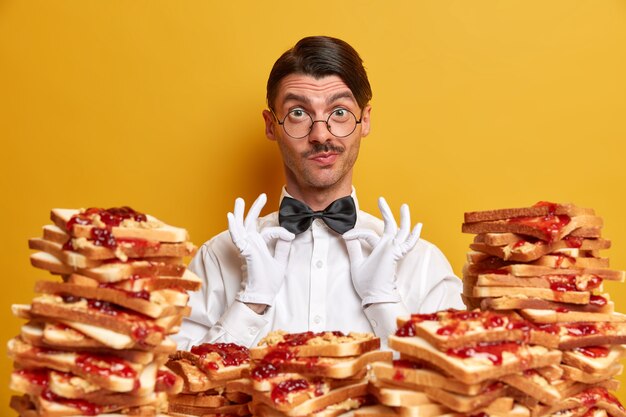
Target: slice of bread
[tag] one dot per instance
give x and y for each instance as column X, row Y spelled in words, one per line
column 331, row 344
column 562, row 316
column 113, row 271
column 532, row 383
column 125, row 249
column 553, row 282
column 194, row 380
column 578, row 375
column 102, row 314
column 550, row 229
column 453, row 329
column 346, row 367
column 220, row 361
column 519, row 302
column 188, row 282
column 155, row 304
column 522, row 250
column 409, row 374
column 584, row 334
column 150, row 229
column 572, row 297
column 489, row 361
column 539, row 209
column 594, row 359
column 106, row 371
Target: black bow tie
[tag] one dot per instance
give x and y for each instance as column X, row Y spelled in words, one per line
column 297, row 217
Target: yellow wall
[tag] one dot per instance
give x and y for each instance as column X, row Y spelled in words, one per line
column 157, row 105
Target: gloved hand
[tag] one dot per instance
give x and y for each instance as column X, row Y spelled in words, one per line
column 374, row 277
column 264, row 273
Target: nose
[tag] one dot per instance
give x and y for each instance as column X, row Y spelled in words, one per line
column 319, row 132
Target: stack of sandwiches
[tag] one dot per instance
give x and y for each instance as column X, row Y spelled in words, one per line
column 544, row 264
column 312, row 374
column 459, row 362
column 213, row 381
column 96, row 341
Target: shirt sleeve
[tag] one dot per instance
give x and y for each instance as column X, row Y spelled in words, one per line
column 426, row 281
column 382, row 318
column 215, row 315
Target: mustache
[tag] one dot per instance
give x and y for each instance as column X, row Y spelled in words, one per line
column 323, row 148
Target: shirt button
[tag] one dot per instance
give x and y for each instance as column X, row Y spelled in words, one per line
column 319, row 263
column 252, row 330
column 374, row 324
column 317, row 319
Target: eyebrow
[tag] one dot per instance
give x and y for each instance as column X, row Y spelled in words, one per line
column 331, row 99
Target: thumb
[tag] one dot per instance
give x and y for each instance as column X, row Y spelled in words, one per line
column 369, row 236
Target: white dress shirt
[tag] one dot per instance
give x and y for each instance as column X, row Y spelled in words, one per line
column 317, row 293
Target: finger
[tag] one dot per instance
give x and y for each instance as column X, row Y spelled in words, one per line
column 271, row 233
column 405, row 224
column 234, row 229
column 412, row 240
column 240, row 206
column 368, row 236
column 281, row 251
column 390, row 223
column 255, row 210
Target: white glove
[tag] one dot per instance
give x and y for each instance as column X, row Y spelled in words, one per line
column 264, row 273
column 374, row 277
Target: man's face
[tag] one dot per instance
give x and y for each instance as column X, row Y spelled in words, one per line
column 320, row 159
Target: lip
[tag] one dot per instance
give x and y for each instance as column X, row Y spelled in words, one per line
column 325, row 158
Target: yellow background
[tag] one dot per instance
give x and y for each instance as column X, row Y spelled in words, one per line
column 157, row 104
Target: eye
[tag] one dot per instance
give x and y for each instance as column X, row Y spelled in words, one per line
column 297, row 116
column 340, row 115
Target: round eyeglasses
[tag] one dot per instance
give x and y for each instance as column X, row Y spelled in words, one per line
column 298, row 123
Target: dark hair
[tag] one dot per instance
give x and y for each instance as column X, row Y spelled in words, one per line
column 320, row 56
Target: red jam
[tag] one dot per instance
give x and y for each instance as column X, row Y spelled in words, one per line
column 282, row 390
column 406, row 330
column 593, row 351
column 573, row 241
column 416, row 318
column 103, row 237
column 264, row 371
column 230, row 353
column 597, row 300
column 581, row 329
column 404, row 363
column 561, row 258
column 111, row 217
column 590, row 397
column 38, row 377
column 105, row 366
column 166, row 378
column 85, row 407
column 141, row 331
column 549, row 225
column 551, row 206
column 490, row 351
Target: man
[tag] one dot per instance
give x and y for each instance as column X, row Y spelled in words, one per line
column 327, row 265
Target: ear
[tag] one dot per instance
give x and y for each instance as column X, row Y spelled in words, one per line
column 269, row 124
column 365, row 121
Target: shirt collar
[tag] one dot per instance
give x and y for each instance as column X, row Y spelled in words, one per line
column 284, row 194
